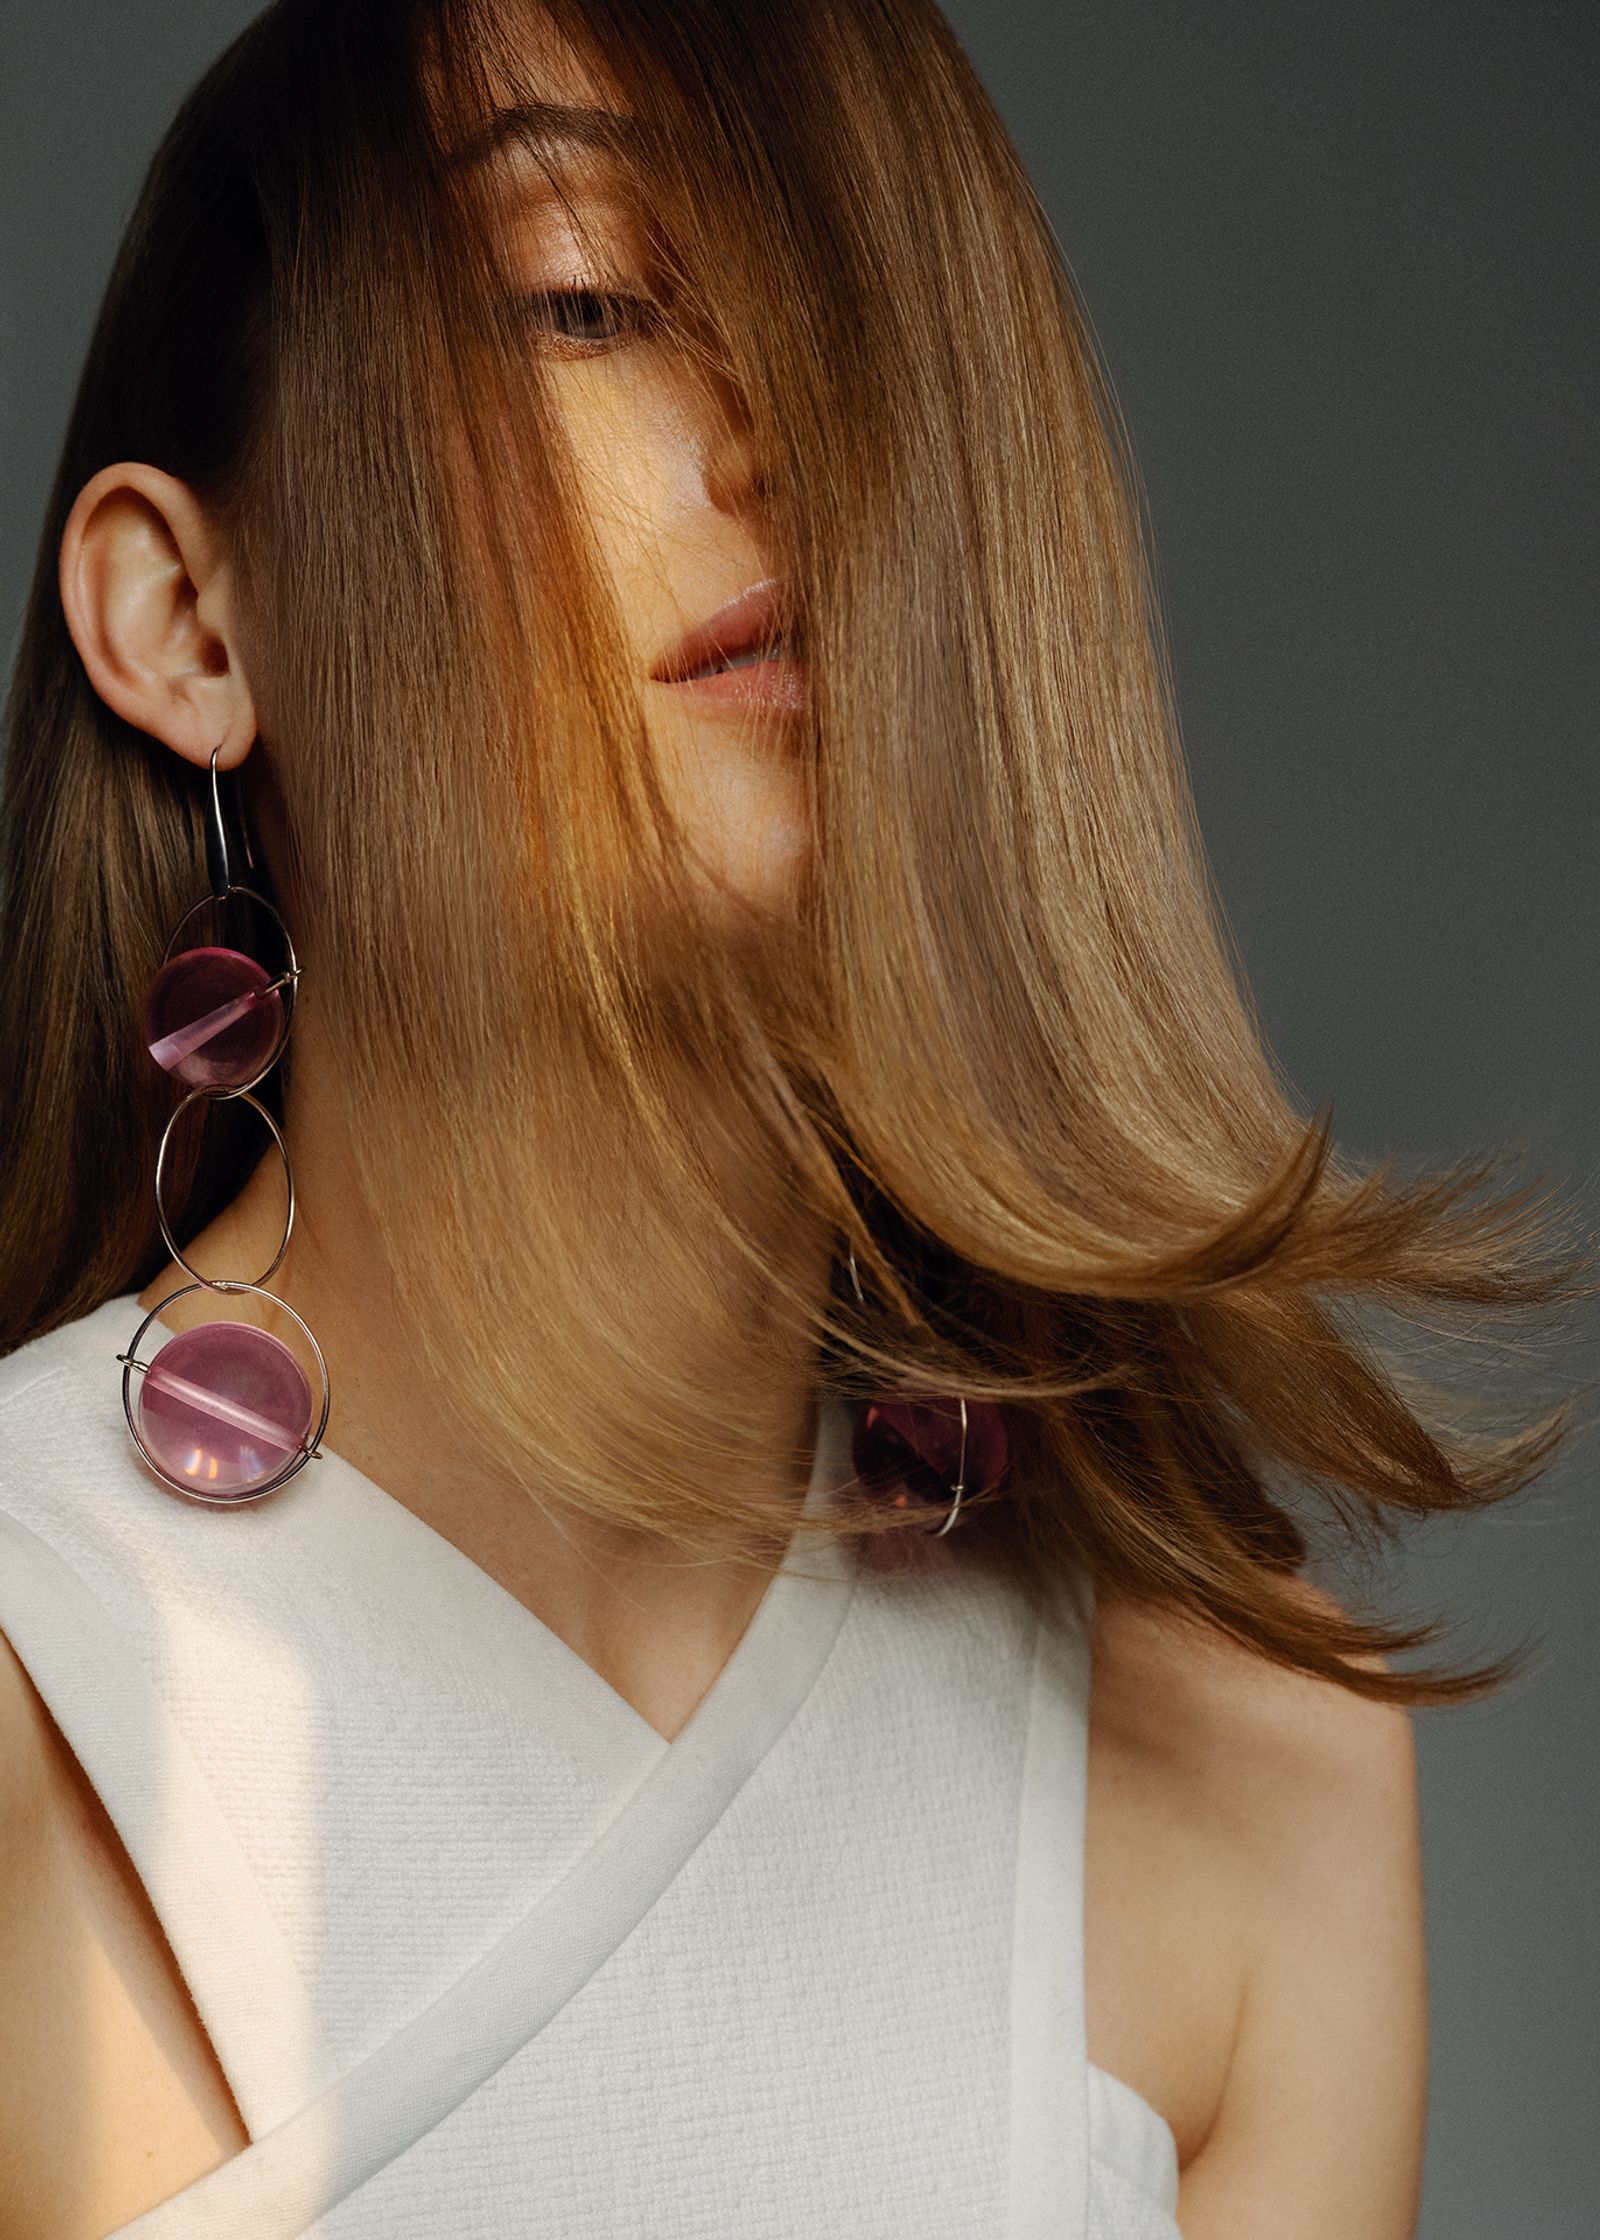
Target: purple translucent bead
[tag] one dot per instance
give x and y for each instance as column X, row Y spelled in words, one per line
column 223, row 1407
column 908, row 1448
column 209, row 1021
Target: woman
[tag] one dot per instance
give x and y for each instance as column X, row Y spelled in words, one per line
column 621, row 496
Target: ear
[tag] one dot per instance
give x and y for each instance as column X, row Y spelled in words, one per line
column 148, row 591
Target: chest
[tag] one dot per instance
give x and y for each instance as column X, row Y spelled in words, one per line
column 815, row 1965
column 799, row 1973
column 164, row 2113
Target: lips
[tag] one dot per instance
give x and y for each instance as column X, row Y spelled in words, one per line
column 744, row 654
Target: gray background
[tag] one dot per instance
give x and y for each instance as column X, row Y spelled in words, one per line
column 1341, row 261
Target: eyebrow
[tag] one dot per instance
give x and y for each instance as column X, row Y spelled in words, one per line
column 537, row 123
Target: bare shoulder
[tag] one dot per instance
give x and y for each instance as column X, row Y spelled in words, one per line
column 1254, row 1870
column 1269, row 1751
column 24, row 1770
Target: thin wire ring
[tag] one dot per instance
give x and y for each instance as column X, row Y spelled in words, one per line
column 214, row 902
column 311, row 1452
column 961, row 1466
column 961, row 1476
column 225, row 1283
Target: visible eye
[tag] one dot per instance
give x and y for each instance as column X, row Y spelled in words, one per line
column 587, row 319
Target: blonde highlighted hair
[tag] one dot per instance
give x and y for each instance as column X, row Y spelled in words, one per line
column 1001, row 1046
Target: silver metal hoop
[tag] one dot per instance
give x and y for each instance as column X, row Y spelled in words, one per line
column 311, row 1451
column 217, row 1283
column 961, row 1466
column 961, row 1477
column 291, row 971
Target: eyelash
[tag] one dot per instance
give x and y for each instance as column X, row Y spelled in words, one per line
column 627, row 316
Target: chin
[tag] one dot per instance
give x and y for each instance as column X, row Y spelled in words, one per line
column 759, row 882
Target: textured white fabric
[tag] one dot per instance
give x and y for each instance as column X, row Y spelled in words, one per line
column 482, row 1955
column 1133, row 2164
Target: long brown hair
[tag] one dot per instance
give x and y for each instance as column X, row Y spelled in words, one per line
column 1002, row 1046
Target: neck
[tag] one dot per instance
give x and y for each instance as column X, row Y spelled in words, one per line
column 658, row 1628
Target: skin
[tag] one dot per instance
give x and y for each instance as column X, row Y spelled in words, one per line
column 1253, row 1910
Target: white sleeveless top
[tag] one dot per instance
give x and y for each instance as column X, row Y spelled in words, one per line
column 482, row 1955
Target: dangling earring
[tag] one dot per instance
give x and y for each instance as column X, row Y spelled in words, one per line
column 921, row 1450
column 224, row 1410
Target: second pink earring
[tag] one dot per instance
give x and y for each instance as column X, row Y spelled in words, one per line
column 927, row 1451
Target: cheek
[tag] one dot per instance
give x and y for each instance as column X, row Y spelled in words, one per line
column 736, row 787
column 642, row 489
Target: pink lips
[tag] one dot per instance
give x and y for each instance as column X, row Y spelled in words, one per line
column 742, row 656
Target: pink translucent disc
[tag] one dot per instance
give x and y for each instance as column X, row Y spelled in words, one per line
column 223, row 1407
column 208, row 1021
column 908, row 1448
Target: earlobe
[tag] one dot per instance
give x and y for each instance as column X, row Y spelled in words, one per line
column 147, row 591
